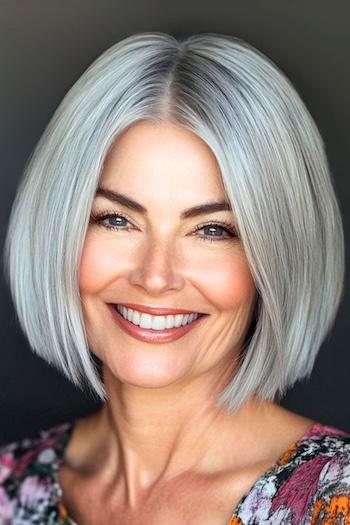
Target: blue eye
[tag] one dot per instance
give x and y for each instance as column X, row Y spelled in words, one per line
column 214, row 231
column 224, row 232
column 116, row 221
column 111, row 221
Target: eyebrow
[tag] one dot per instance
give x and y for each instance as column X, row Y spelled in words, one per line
column 200, row 209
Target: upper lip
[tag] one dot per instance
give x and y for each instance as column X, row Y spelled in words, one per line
column 155, row 310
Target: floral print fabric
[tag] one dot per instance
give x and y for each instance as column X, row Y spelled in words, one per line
column 308, row 485
column 29, row 488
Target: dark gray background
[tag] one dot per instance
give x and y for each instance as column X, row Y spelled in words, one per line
column 46, row 45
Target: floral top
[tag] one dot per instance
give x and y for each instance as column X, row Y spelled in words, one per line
column 308, row 485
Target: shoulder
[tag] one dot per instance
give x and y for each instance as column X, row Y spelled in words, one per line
column 322, row 456
column 332, row 497
column 326, row 446
column 19, row 458
column 309, row 485
column 27, row 468
column 318, row 477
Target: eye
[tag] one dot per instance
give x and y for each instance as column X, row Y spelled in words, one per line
column 217, row 231
column 111, row 221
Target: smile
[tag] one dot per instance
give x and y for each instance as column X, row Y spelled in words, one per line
column 156, row 322
column 154, row 328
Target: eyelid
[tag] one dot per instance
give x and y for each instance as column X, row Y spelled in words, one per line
column 224, row 224
column 230, row 228
column 99, row 216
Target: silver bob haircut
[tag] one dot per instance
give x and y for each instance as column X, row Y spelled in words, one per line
column 274, row 170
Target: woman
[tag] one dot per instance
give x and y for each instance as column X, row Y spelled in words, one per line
column 181, row 255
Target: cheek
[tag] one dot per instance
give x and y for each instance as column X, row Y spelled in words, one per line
column 228, row 282
column 98, row 265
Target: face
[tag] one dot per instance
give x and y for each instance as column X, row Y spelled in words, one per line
column 146, row 249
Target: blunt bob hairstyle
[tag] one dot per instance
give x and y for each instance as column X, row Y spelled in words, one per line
column 274, row 170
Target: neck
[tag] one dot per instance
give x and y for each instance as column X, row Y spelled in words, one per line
column 146, row 436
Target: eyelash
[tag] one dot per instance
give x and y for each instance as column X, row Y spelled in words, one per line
column 98, row 219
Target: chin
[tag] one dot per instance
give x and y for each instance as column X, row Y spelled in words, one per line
column 144, row 373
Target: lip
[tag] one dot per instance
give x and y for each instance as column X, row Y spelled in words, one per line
column 153, row 310
column 148, row 335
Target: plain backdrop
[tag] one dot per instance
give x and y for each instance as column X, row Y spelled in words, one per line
column 46, row 45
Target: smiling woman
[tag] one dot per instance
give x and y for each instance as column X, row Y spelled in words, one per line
column 195, row 265
column 153, row 261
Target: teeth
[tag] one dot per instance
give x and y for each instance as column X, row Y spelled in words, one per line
column 178, row 320
column 136, row 317
column 145, row 320
column 156, row 322
column 185, row 320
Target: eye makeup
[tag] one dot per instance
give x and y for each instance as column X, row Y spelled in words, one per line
column 104, row 219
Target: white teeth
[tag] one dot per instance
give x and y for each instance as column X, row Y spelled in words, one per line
column 145, row 321
column 136, row 317
column 185, row 319
column 178, row 320
column 169, row 321
column 156, row 322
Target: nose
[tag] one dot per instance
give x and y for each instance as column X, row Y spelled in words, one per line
column 157, row 269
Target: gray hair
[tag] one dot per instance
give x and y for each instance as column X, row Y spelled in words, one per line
column 274, row 170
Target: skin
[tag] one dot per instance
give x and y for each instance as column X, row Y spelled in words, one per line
column 160, row 431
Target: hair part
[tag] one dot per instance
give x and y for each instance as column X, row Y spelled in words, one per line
column 275, row 174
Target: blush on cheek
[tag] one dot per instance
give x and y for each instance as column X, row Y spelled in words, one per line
column 99, row 261
column 228, row 282
column 89, row 269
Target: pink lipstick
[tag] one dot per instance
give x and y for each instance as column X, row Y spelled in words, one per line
column 153, row 336
column 156, row 310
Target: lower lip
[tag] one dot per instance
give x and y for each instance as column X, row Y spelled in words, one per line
column 153, row 336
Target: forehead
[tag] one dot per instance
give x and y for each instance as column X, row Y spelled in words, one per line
column 162, row 157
